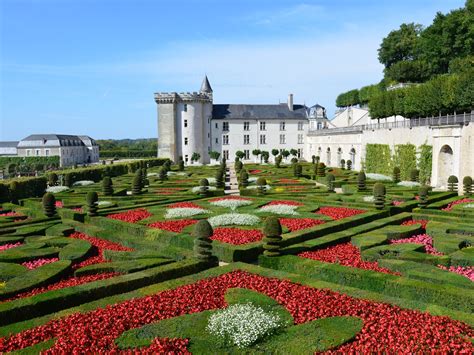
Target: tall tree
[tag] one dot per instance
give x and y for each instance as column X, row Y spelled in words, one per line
column 401, row 44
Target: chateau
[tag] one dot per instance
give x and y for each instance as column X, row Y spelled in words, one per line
column 191, row 123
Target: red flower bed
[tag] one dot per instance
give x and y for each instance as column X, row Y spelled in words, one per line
column 73, row 281
column 345, row 254
column 397, row 202
column 183, row 205
column 237, row 236
column 422, row 222
column 255, row 171
column 173, row 226
column 77, row 209
column 295, row 224
column 285, row 202
column 169, row 190
column 423, row 239
column 9, row 246
column 38, row 262
column 467, row 271
column 458, row 202
column 132, row 216
column 10, row 214
column 59, row 204
column 339, row 212
column 386, row 329
column 288, row 181
column 227, row 198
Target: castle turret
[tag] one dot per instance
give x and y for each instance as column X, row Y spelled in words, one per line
column 206, row 86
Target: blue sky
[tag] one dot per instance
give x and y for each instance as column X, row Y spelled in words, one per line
column 92, row 66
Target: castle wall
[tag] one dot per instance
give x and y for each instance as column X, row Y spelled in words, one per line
column 167, row 131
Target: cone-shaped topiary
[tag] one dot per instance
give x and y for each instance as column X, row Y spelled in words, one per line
column 361, row 186
column 202, row 241
column 162, row 174
column 145, row 181
column 181, row 165
column 467, row 185
column 220, row 179
column 379, row 195
column 294, row 160
column 238, row 166
column 261, row 183
column 91, row 199
column 349, row 164
column 278, row 161
column 137, row 185
column 423, row 193
column 107, row 188
column 204, row 187
column 314, row 169
column 49, row 204
column 343, row 164
column 167, row 165
column 244, row 178
column 414, row 175
column 272, row 240
column 297, row 170
column 396, row 174
column 321, row 170
column 52, row 179
column 330, row 182
column 453, row 183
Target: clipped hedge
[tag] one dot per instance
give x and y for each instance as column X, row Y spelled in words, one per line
column 25, row 187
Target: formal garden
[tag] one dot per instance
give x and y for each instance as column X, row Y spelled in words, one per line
column 154, row 257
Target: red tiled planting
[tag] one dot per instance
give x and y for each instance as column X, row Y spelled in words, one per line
column 339, row 212
column 295, row 224
column 173, row 226
column 237, row 236
column 132, row 216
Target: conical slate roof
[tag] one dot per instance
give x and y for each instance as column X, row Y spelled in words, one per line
column 205, row 86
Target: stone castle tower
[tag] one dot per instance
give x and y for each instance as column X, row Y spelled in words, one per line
column 184, row 123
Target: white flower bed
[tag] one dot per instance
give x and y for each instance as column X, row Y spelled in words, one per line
column 252, row 179
column 238, row 219
column 211, row 180
column 197, row 188
column 83, row 183
column 368, row 198
column 243, row 324
column 378, row 177
column 232, row 204
column 408, row 183
column 104, row 203
column 267, row 187
column 279, row 209
column 153, row 174
column 56, row 189
column 183, row 212
column 169, row 173
column 469, row 205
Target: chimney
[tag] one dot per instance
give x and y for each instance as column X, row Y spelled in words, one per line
column 290, row 102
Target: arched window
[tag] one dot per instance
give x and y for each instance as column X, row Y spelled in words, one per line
column 339, row 155
column 328, row 157
column 353, row 156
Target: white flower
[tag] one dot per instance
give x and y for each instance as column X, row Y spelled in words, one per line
column 279, row 209
column 239, row 219
column 469, row 205
column 83, row 183
column 243, row 324
column 379, row 177
column 153, row 174
column 56, row 189
column 232, row 204
column 368, row 198
column 211, row 180
column 198, row 188
column 104, row 203
column 182, row 212
column 408, row 183
column 267, row 187
column 252, row 179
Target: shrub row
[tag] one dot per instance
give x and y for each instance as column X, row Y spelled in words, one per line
column 15, row 189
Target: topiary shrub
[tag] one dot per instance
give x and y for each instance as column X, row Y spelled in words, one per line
column 396, row 175
column 272, row 240
column 313, row 159
column 145, row 181
column 361, row 186
column 52, row 179
column 379, row 196
column 137, row 185
column 343, row 164
column 330, row 182
column 49, row 204
column 204, row 187
column 297, row 170
column 467, row 185
column 238, row 166
column 261, row 183
column 278, row 160
column 181, row 165
column 414, row 175
column 107, row 188
column 349, row 164
column 244, row 178
column 423, row 193
column 220, row 178
column 202, row 242
column 68, row 180
column 162, row 174
column 91, row 199
column 315, row 171
column 453, row 183
column 167, row 165
column 294, row 160
column 321, row 170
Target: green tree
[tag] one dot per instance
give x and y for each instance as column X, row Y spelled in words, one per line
column 401, row 44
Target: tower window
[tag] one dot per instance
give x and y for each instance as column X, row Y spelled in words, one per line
column 263, row 139
column 263, row 126
column 185, row 108
column 217, row 125
column 246, row 139
column 300, row 139
column 282, row 139
column 225, row 139
column 282, row 126
column 225, row 126
column 185, row 140
column 246, row 126
column 185, row 123
column 217, row 140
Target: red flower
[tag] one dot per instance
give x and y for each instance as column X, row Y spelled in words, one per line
column 339, row 212
column 237, row 236
column 173, row 226
column 289, row 181
column 295, row 224
column 33, row 264
column 10, row 214
column 458, row 202
column 132, row 216
column 422, row 222
column 59, row 204
column 227, row 198
column 255, row 171
column 386, row 328
column 184, row 205
column 284, row 202
column 344, row 254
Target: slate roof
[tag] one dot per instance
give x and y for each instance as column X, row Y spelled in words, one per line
column 206, row 86
column 237, row 111
column 50, row 140
column 10, row 144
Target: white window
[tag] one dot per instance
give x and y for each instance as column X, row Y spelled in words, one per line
column 246, row 139
column 247, row 154
column 225, row 139
column 282, row 126
column 185, row 123
column 225, row 126
column 185, row 140
column 46, row 152
column 185, row 109
column 246, row 126
column 263, row 126
column 319, row 125
column 225, row 154
column 186, row 158
column 300, row 139
column 282, row 139
column 263, row 139
column 300, row 126
column 300, row 153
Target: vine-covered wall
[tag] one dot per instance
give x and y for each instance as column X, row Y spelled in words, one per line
column 425, row 162
column 378, row 159
column 405, row 159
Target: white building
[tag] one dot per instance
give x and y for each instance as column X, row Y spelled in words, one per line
column 190, row 123
column 70, row 149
